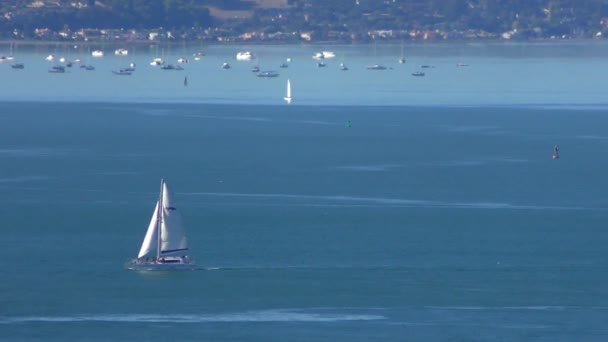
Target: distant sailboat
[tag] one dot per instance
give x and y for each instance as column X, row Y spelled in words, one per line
column 165, row 239
column 555, row 152
column 287, row 97
column 375, row 66
column 10, row 56
column 402, row 58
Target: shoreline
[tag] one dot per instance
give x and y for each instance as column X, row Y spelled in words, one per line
column 202, row 43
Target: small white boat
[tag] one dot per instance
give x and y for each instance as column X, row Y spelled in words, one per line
column 157, row 61
column 50, row 57
column 9, row 57
column 121, row 52
column 244, row 56
column 182, row 60
column 165, row 246
column 287, row 97
column 225, row 65
column 97, row 53
column 323, row 55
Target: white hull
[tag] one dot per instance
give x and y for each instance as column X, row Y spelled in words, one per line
column 287, row 99
column 172, row 264
column 157, row 61
column 244, row 56
column 121, row 52
column 323, row 55
column 161, row 267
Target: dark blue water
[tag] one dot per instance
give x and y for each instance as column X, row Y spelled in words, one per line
column 310, row 223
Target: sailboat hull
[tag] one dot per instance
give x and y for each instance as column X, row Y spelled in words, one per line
column 164, row 264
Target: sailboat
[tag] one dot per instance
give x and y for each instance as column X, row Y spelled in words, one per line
column 287, row 97
column 375, row 66
column 165, row 245
column 402, row 58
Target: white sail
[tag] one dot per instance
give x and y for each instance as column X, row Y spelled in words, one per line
column 173, row 237
column 151, row 239
column 288, row 95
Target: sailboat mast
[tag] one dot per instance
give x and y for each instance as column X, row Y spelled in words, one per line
column 159, row 218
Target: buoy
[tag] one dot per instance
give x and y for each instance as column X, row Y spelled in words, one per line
column 555, row 152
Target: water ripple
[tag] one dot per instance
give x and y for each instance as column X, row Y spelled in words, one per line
column 247, row 316
column 344, row 200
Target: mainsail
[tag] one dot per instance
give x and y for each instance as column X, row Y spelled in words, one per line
column 173, row 237
column 287, row 97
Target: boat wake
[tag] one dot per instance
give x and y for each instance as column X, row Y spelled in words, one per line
column 515, row 308
column 263, row 316
column 359, row 201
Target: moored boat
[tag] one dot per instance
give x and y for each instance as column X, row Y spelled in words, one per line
column 244, row 56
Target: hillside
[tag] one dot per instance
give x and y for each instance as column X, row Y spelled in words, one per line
column 342, row 20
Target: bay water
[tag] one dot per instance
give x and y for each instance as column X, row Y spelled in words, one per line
column 377, row 207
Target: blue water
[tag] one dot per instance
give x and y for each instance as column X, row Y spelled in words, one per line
column 441, row 221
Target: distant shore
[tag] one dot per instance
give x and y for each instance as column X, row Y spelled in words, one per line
column 311, row 43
